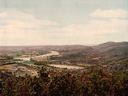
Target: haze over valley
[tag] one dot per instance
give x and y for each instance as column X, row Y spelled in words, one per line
column 63, row 47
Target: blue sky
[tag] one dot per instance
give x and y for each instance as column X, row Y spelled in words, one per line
column 58, row 22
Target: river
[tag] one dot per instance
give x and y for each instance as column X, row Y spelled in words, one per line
column 66, row 66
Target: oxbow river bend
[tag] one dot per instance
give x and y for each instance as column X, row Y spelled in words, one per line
column 66, row 66
column 51, row 53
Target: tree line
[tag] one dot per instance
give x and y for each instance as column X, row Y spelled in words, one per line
column 71, row 83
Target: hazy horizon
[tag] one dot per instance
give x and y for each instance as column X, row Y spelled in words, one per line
column 38, row 45
column 62, row 22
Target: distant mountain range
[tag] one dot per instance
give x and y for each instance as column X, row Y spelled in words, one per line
column 108, row 49
column 112, row 54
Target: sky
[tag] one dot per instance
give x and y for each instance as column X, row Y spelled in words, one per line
column 62, row 22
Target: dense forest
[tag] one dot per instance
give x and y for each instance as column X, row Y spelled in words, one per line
column 94, row 82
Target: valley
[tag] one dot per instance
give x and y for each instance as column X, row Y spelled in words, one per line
column 79, row 69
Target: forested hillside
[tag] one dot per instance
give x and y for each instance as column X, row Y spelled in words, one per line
column 95, row 82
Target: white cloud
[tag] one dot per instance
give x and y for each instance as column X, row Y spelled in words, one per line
column 19, row 28
column 22, row 28
column 117, row 13
column 95, row 26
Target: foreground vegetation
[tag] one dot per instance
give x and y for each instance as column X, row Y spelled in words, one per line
column 105, row 75
column 95, row 82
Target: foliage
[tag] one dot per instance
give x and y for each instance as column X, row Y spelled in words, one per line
column 71, row 83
